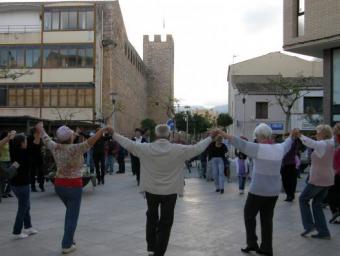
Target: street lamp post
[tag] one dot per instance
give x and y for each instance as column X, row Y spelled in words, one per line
column 244, row 99
column 114, row 99
column 187, row 120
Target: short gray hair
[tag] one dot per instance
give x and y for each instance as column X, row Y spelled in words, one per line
column 162, row 131
column 263, row 131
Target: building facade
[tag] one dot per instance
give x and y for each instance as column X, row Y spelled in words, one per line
column 252, row 97
column 69, row 58
column 311, row 27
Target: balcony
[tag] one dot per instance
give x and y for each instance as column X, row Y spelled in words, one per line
column 20, row 34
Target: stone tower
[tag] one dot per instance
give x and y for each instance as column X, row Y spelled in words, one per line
column 158, row 56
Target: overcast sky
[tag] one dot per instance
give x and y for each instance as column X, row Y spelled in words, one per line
column 207, row 33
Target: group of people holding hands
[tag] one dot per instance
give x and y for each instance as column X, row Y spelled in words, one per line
column 162, row 180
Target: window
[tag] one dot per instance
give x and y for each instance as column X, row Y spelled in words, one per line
column 3, row 57
column 16, row 57
column 89, row 97
column 312, row 105
column 29, row 97
column 47, row 21
column 71, row 97
column 54, row 97
column 68, row 56
column 52, row 58
column 55, row 20
column 32, row 57
column 301, row 18
column 261, row 110
column 336, row 77
column 69, row 19
column 62, row 97
column 3, row 96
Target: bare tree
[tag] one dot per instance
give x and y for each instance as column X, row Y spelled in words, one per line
column 6, row 73
column 287, row 92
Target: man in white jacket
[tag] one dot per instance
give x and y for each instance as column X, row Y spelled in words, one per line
column 162, row 180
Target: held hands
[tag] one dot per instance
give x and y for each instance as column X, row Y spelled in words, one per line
column 214, row 132
column 11, row 135
column 108, row 129
column 40, row 128
column 295, row 133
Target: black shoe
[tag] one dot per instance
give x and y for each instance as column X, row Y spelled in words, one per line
column 4, row 196
column 9, row 195
column 259, row 251
column 249, row 249
column 42, row 188
column 324, row 237
column 222, row 191
column 34, row 190
column 217, row 190
column 103, row 181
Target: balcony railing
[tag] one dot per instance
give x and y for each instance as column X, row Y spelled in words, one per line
column 15, row 29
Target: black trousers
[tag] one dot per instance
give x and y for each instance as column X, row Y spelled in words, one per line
column 100, row 172
column 334, row 195
column 264, row 205
column 121, row 165
column 37, row 175
column 289, row 180
column 135, row 166
column 158, row 227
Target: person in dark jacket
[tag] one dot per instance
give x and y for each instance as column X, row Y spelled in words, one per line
column 34, row 149
column 99, row 159
column 135, row 163
column 121, row 154
column 289, row 172
column 21, row 187
column 216, row 155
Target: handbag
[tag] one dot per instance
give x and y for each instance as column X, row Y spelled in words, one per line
column 11, row 171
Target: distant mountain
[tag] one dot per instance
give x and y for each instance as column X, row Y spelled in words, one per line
column 221, row 109
column 218, row 109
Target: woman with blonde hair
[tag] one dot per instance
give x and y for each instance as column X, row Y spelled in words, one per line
column 321, row 177
column 68, row 182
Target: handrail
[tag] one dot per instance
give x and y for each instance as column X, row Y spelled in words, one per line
column 11, row 29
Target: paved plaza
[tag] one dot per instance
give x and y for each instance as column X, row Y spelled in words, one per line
column 112, row 223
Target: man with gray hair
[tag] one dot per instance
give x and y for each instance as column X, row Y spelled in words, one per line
column 162, row 176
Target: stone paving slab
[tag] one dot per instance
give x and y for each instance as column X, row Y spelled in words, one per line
column 112, row 222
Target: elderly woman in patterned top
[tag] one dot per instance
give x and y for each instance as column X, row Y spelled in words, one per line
column 68, row 182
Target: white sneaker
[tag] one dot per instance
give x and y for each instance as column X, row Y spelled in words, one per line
column 20, row 236
column 69, row 250
column 30, row 231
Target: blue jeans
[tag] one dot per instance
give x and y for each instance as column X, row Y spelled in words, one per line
column 23, row 217
column 89, row 160
column 241, row 182
column 317, row 220
column 109, row 163
column 217, row 165
column 71, row 198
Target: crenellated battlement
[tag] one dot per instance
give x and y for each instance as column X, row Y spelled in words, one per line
column 157, row 39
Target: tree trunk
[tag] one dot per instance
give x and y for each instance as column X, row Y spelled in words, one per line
column 287, row 124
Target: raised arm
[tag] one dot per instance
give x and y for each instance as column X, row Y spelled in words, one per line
column 287, row 144
column 248, row 148
column 191, row 151
column 318, row 146
column 9, row 137
column 128, row 144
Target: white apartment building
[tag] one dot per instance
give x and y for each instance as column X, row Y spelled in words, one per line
column 252, row 98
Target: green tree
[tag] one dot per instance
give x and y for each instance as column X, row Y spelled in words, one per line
column 224, row 120
column 149, row 125
column 196, row 123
